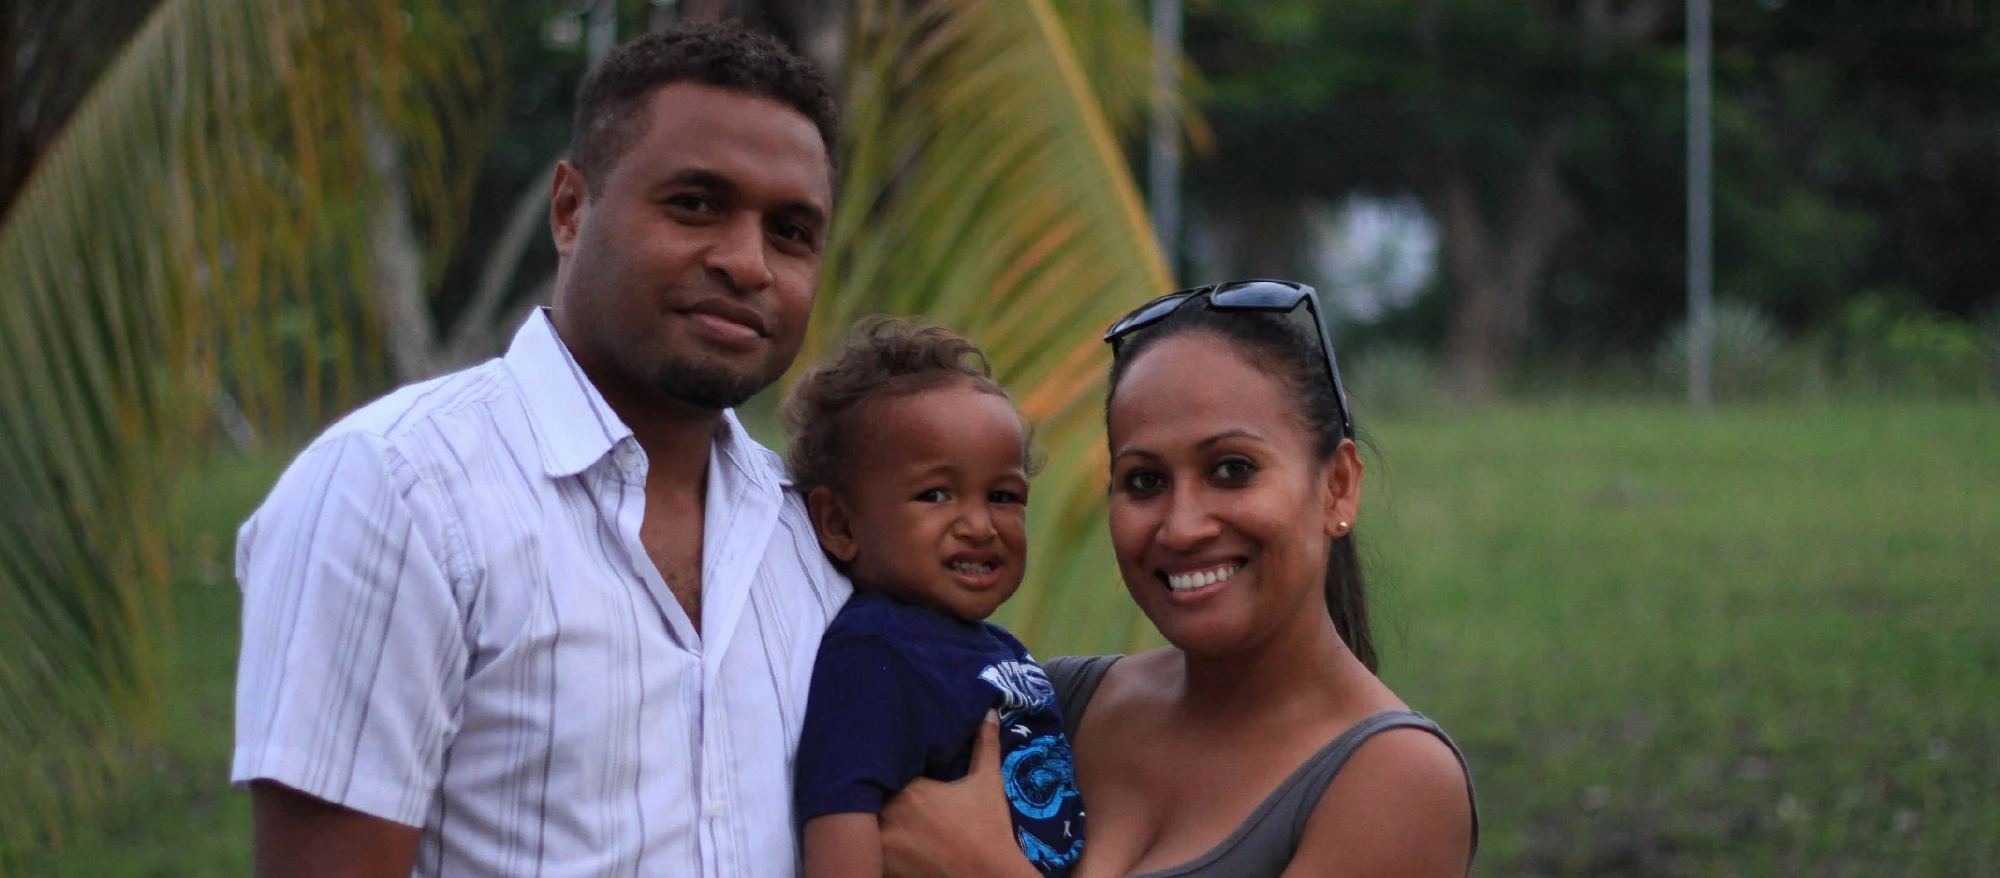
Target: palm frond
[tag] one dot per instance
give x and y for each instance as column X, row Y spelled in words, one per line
column 189, row 236
column 985, row 188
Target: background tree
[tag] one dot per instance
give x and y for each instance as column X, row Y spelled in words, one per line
column 1545, row 141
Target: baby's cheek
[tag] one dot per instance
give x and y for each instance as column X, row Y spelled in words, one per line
column 1012, row 523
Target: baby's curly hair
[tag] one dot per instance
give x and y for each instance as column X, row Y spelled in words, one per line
column 883, row 357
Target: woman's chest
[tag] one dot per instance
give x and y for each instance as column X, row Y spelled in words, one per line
column 1157, row 802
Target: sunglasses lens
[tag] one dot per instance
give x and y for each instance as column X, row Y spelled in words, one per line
column 1147, row 314
column 1260, row 295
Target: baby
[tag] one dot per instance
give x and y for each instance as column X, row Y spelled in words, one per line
column 914, row 464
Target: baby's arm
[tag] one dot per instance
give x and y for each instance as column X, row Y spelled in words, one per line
column 843, row 846
column 860, row 742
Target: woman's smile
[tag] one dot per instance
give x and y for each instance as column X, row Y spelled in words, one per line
column 1190, row 579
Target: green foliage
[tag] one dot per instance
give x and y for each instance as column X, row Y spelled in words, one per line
column 1882, row 347
column 1856, row 147
column 983, row 187
column 192, row 207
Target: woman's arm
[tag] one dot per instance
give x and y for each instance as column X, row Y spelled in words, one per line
column 843, row 846
column 961, row 828
column 1398, row 808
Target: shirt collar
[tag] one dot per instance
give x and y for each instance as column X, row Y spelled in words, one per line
column 576, row 428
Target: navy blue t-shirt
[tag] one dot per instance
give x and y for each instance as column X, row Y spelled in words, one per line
column 899, row 691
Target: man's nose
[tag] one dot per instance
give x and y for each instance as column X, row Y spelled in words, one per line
column 738, row 254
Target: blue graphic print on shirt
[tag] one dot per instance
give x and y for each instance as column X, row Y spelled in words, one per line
column 1040, row 775
column 899, row 691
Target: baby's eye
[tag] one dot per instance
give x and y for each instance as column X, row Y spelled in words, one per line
column 1007, row 497
column 1144, row 482
column 1234, row 470
column 934, row 495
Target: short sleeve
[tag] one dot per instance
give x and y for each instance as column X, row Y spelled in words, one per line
column 866, row 728
column 354, row 656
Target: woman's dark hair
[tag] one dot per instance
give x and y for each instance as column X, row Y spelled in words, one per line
column 1290, row 353
column 883, row 357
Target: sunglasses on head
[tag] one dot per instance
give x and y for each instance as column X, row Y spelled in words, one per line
column 1267, row 296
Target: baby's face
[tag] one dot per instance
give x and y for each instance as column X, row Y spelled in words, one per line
column 935, row 511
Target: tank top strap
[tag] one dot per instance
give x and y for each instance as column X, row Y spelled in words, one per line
column 1075, row 679
column 1292, row 804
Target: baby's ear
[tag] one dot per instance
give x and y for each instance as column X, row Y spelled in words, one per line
column 830, row 524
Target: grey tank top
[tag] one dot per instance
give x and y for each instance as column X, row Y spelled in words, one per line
column 1264, row 844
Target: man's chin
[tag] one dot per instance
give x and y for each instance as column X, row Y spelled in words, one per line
column 707, row 385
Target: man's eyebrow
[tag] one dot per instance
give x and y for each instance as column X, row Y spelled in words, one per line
column 702, row 178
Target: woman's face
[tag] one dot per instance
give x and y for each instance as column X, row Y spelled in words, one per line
column 1220, row 507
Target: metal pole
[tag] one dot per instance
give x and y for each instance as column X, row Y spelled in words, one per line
column 1164, row 149
column 601, row 34
column 1701, row 219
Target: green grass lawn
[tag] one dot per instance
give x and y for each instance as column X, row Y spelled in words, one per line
column 1763, row 642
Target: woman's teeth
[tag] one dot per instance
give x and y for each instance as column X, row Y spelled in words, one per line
column 971, row 568
column 1199, row 578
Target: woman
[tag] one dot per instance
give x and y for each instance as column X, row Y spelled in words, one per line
column 1259, row 741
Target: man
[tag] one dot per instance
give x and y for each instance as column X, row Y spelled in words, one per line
column 556, row 614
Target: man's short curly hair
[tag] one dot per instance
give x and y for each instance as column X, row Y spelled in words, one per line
column 884, row 357
column 720, row 55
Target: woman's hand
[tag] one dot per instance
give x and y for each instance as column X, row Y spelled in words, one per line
column 961, row 828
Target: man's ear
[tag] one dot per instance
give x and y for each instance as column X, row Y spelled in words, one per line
column 569, row 203
column 831, row 524
column 1341, row 491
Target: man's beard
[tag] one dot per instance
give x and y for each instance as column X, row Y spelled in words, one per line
column 705, row 385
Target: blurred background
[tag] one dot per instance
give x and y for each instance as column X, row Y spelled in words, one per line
column 1746, row 625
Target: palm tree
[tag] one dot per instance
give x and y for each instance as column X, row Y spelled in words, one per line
column 201, row 247
column 184, row 245
column 984, row 187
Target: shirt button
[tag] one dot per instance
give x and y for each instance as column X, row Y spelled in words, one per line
column 715, row 808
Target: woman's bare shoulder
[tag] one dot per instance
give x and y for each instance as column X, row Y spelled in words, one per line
column 1400, row 806
column 1139, row 677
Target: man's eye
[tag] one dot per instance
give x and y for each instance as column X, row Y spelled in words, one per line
column 1007, row 497
column 1143, row 482
column 791, row 231
column 1234, row 469
column 689, row 201
column 934, row 495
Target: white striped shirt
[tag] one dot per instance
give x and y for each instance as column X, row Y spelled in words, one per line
column 449, row 622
